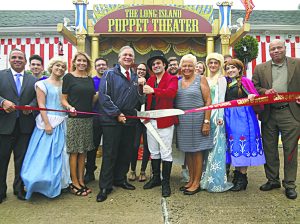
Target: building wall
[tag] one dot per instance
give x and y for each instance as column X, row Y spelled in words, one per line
column 154, row 2
column 46, row 47
column 292, row 49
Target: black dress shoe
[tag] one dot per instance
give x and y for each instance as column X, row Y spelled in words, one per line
column 102, row 195
column 290, row 193
column 2, row 197
column 182, row 188
column 186, row 192
column 269, row 186
column 126, row 186
column 21, row 195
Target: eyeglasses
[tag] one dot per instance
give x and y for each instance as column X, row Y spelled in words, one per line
column 141, row 69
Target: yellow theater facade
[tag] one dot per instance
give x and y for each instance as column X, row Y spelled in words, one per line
column 147, row 25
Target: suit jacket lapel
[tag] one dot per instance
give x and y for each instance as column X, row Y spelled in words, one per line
column 291, row 65
column 268, row 73
column 12, row 81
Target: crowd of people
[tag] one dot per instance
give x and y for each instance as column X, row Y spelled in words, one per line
column 55, row 151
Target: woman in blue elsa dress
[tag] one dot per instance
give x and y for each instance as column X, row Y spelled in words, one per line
column 214, row 178
column 46, row 168
column 243, row 132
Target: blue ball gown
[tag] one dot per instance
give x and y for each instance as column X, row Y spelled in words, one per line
column 45, row 168
column 243, row 131
column 214, row 178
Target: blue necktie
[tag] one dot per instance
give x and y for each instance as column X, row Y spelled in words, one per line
column 18, row 83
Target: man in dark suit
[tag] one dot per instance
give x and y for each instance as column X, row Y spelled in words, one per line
column 16, row 88
column 118, row 97
column 281, row 74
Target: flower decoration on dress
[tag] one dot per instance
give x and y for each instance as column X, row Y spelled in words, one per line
column 231, row 143
column 242, row 143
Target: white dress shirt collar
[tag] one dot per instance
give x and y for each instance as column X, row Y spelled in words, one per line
column 14, row 75
column 14, row 72
column 123, row 70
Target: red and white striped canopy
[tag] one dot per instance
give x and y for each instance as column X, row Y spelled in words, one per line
column 292, row 50
column 46, row 47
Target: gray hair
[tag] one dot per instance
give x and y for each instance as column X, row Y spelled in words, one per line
column 124, row 48
column 188, row 57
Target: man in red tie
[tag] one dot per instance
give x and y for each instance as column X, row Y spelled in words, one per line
column 118, row 97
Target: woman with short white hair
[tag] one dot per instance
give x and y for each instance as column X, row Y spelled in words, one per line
column 193, row 130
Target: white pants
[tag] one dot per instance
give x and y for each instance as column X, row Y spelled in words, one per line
column 158, row 152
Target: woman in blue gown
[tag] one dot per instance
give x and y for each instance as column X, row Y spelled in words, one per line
column 45, row 168
column 243, row 132
column 214, row 178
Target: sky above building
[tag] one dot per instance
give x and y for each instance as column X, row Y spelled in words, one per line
column 68, row 5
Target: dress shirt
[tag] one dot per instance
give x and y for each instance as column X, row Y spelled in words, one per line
column 15, row 77
column 123, row 71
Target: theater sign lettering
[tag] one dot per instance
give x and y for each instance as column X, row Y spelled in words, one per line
column 137, row 19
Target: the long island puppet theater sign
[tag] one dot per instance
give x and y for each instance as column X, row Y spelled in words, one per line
column 153, row 19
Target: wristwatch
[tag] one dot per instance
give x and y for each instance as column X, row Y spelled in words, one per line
column 206, row 121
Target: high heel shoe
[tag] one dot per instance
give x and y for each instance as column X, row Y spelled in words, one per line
column 142, row 177
column 132, row 176
column 183, row 188
column 187, row 192
column 86, row 189
column 77, row 191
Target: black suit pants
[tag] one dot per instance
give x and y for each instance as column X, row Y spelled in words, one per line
column 91, row 155
column 117, row 149
column 17, row 143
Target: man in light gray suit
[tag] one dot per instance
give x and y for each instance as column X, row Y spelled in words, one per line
column 16, row 88
column 281, row 74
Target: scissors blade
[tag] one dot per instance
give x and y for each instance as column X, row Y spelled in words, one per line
column 142, row 110
column 160, row 113
column 154, row 133
column 149, row 126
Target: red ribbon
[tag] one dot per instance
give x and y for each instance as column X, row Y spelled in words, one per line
column 67, row 111
column 258, row 100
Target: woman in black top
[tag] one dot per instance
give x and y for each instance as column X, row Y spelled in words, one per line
column 78, row 94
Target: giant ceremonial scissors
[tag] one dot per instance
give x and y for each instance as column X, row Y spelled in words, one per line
column 153, row 114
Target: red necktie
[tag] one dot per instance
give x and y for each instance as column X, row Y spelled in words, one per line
column 127, row 75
